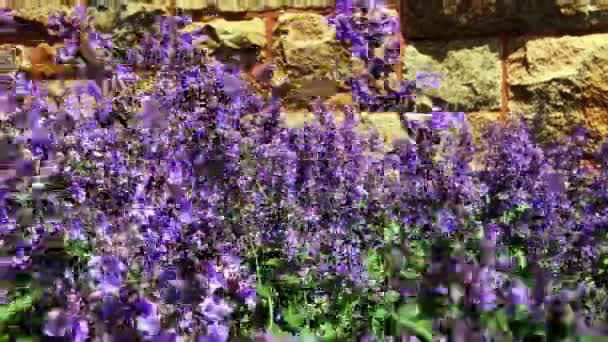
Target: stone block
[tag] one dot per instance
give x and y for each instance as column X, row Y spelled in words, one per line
column 557, row 83
column 469, row 71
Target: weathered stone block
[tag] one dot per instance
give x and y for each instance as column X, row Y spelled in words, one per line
column 305, row 49
column 241, row 42
column 38, row 14
column 136, row 19
column 557, row 83
column 305, row 45
column 263, row 5
column 23, row 54
column 470, row 73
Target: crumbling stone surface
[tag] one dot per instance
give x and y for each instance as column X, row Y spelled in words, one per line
column 469, row 70
column 557, row 83
column 306, row 47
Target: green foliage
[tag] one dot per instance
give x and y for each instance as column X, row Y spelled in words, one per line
column 19, row 305
column 82, row 167
column 375, row 265
column 514, row 214
column 78, row 249
column 412, row 319
column 16, row 310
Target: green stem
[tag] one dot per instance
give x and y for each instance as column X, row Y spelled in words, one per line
column 258, row 280
column 271, row 311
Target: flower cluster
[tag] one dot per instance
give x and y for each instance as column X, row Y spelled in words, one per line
column 372, row 38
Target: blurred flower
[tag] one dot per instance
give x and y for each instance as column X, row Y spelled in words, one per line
column 107, row 272
column 215, row 308
column 149, row 325
column 217, row 332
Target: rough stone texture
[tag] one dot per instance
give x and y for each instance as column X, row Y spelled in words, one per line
column 38, row 14
column 470, row 73
column 23, row 54
column 135, row 9
column 43, row 54
column 249, row 5
column 560, row 82
column 238, row 34
column 310, row 3
column 387, row 124
column 241, row 42
column 305, row 48
column 252, row 5
column 104, row 19
column 340, row 101
column 27, row 26
column 136, row 18
column 456, row 18
column 190, row 4
column 262, row 5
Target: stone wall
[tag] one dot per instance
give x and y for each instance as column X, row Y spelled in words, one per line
column 544, row 60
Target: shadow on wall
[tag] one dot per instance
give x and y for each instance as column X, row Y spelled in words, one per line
column 439, row 18
column 439, row 52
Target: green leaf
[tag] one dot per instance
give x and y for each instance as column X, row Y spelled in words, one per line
column 521, row 313
column 329, row 331
column 25, row 339
column 409, row 318
column 409, row 310
column 378, row 327
column 308, row 337
column 276, row 331
column 291, row 280
column 77, row 248
column 381, row 313
column 306, row 332
column 409, row 275
column 421, row 328
column 20, row 304
column 263, row 290
column 591, row 338
column 374, row 265
column 496, row 321
column 520, row 258
column 391, row 231
column 501, row 321
column 293, row 317
column 274, row 262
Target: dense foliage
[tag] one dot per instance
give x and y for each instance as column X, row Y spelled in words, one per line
column 186, row 208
